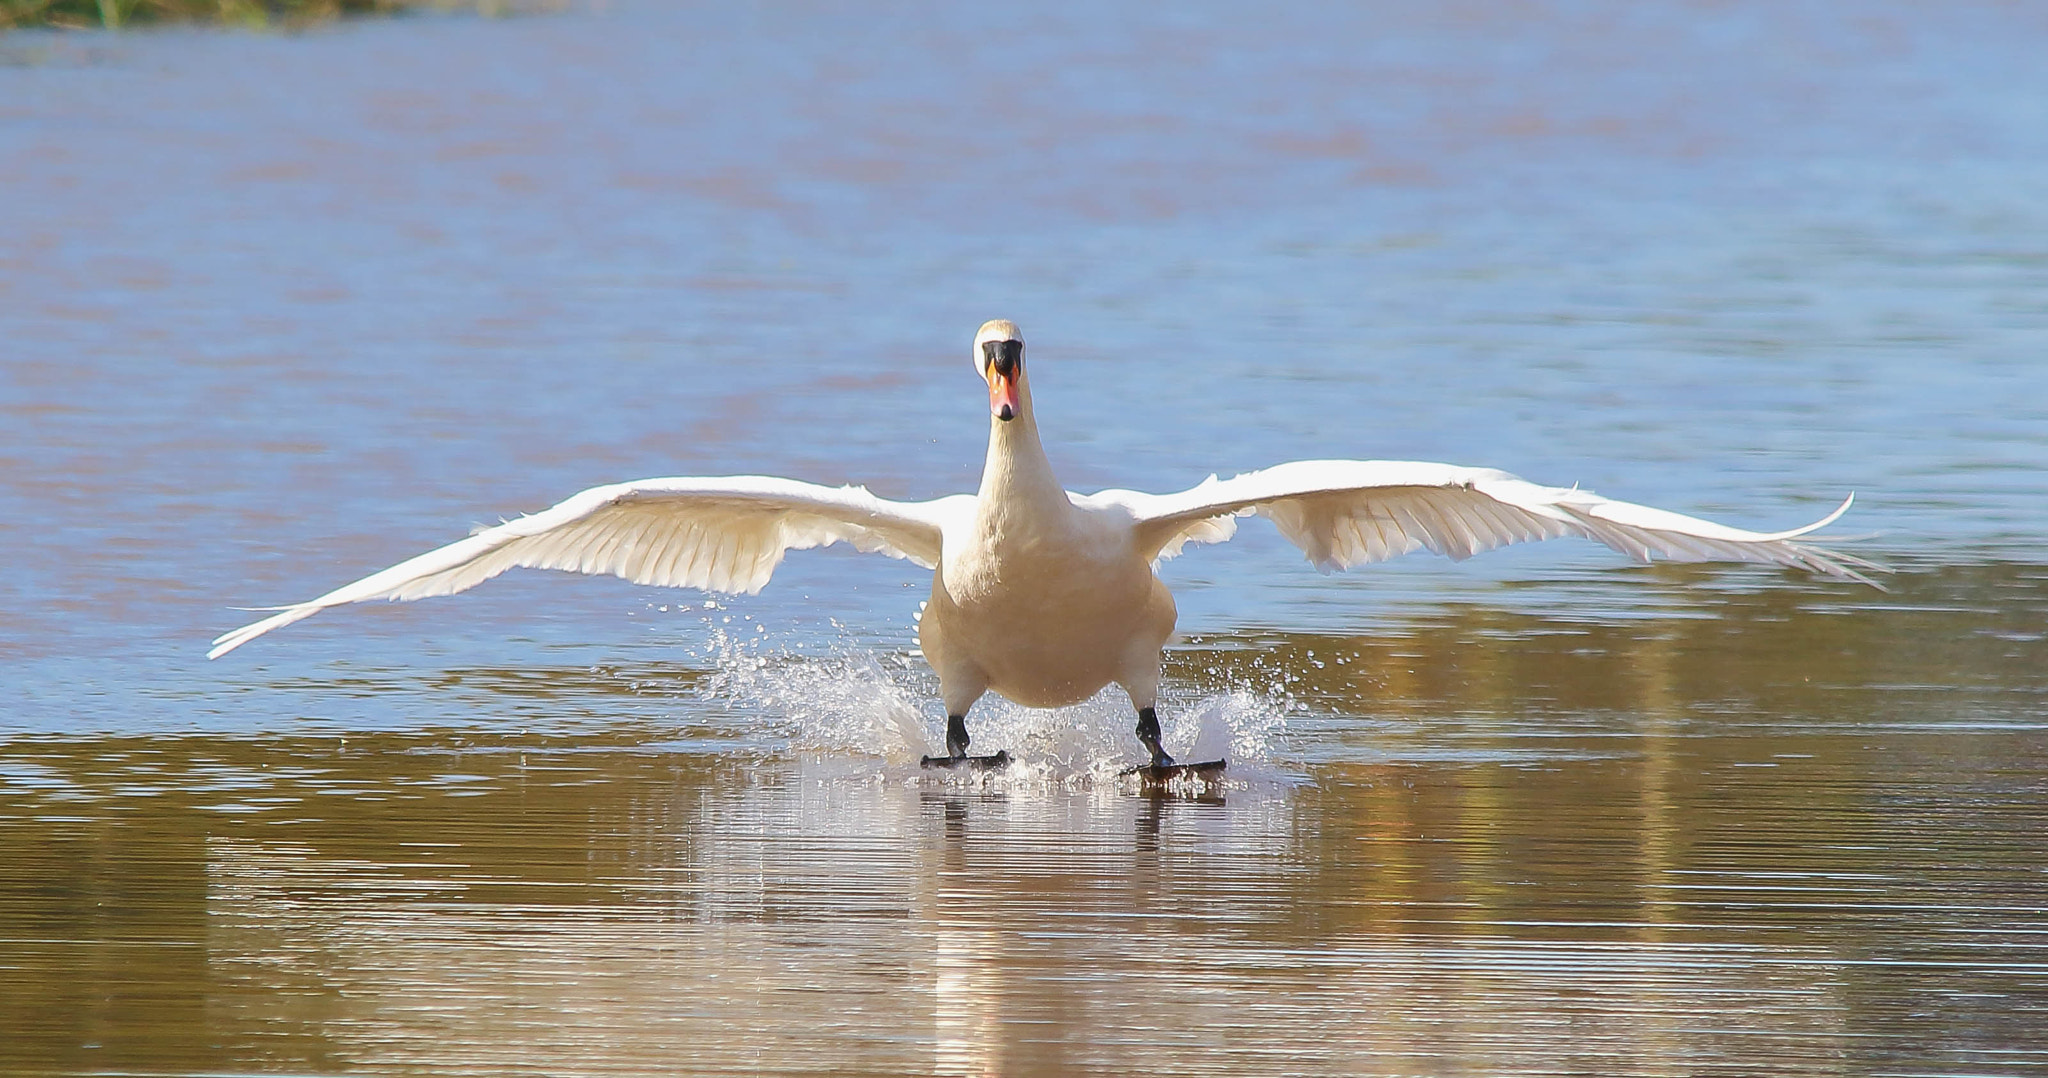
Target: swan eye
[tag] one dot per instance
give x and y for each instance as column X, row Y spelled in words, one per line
column 1005, row 356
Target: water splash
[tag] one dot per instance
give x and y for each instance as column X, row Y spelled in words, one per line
column 854, row 701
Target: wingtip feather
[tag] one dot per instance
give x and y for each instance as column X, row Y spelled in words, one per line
column 1822, row 522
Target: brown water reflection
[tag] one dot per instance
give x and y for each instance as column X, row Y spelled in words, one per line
column 1797, row 836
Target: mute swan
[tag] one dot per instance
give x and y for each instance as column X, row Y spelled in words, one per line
column 1042, row 595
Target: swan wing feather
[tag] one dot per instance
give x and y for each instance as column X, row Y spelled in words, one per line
column 1343, row 513
column 723, row 534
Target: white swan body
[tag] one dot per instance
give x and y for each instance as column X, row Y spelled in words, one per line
column 1042, row 596
column 1039, row 594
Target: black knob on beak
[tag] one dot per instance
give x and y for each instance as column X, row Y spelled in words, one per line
column 1004, row 356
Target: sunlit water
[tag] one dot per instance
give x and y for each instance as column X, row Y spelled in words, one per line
column 276, row 311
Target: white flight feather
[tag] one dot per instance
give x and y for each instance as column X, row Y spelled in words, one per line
column 1344, row 513
column 722, row 534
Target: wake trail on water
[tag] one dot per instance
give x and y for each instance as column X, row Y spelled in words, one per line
column 852, row 700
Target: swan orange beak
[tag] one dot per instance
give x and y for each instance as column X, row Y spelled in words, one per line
column 1002, row 393
column 1003, row 365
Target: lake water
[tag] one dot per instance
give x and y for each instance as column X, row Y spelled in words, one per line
column 279, row 310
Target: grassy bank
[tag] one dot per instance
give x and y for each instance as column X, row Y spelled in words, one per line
column 113, row 14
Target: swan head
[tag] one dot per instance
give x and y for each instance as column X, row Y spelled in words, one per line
column 999, row 356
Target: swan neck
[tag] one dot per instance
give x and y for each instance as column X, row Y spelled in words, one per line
column 1017, row 471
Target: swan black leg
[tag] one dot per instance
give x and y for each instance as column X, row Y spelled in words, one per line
column 956, row 736
column 1148, row 732
column 956, row 750
column 1162, row 768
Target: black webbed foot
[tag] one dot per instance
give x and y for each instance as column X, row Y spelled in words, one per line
column 965, row 763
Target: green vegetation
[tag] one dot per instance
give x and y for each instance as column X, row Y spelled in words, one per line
column 112, row 14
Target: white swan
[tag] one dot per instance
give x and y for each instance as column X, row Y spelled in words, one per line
column 1042, row 595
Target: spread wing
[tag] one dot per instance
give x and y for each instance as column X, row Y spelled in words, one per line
column 722, row 534
column 1350, row 512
